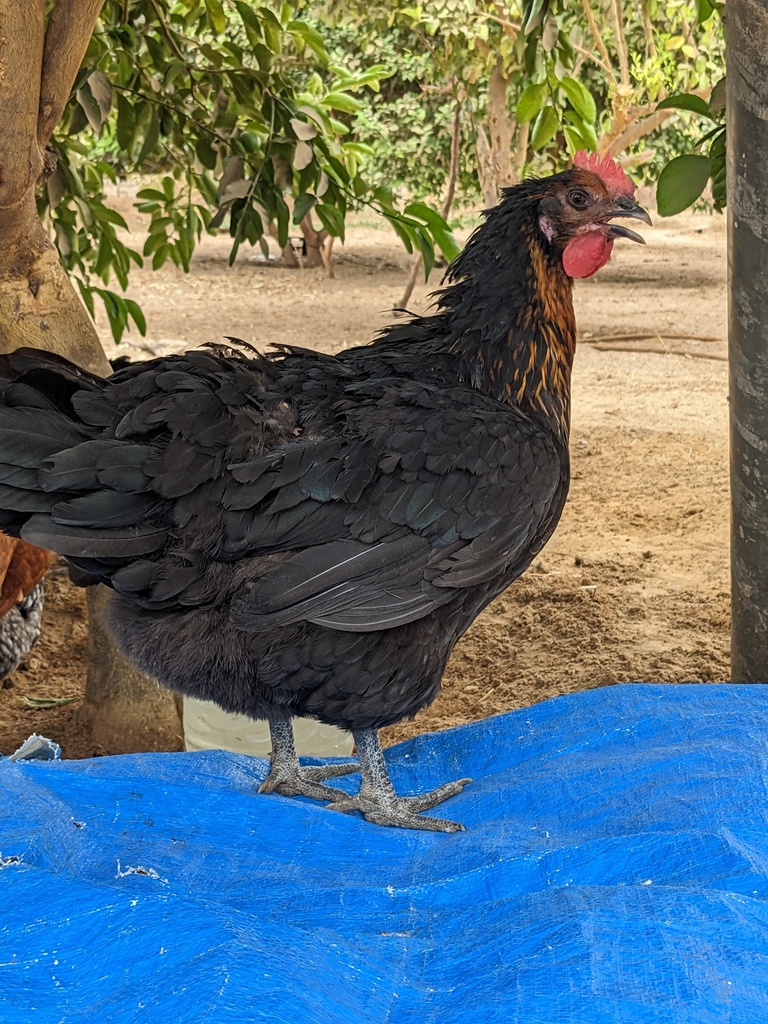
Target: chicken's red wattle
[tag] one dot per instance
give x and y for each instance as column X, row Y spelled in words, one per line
column 586, row 254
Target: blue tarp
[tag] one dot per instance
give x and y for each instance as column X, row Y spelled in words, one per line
column 614, row 869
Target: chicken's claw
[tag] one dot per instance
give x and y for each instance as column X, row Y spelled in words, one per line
column 299, row 780
column 289, row 778
column 403, row 811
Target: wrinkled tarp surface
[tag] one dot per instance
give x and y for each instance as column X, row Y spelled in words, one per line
column 614, row 869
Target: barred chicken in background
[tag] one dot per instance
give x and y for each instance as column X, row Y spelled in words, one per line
column 22, row 568
column 298, row 534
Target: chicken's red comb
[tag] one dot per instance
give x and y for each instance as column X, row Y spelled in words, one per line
column 614, row 176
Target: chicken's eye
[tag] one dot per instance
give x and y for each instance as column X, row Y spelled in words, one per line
column 578, row 198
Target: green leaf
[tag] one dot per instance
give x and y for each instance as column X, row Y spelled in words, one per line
column 580, row 99
column 705, row 9
column 251, row 23
column 586, row 131
column 311, row 37
column 342, row 101
column 271, row 28
column 283, row 218
column 681, row 183
column 401, row 229
column 545, row 128
column 205, row 153
column 423, row 243
column 533, row 14
column 438, row 228
column 717, row 97
column 101, row 90
column 150, row 139
column 126, row 123
column 216, row 15
column 161, row 256
column 301, row 207
column 573, row 139
column 686, row 101
column 134, row 310
column 47, row 702
column 332, row 220
column 531, row 101
column 151, row 193
column 56, row 187
column 717, row 148
column 79, row 120
column 90, row 107
column 87, row 296
column 111, row 216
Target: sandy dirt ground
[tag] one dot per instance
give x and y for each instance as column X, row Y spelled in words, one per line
column 634, row 584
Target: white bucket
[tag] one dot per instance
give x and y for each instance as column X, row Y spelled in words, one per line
column 207, row 727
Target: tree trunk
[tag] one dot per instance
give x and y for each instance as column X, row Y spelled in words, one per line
column 124, row 710
column 485, row 169
column 501, row 128
column 40, row 308
column 499, row 161
column 747, row 40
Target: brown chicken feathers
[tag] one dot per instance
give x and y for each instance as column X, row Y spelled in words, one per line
column 22, row 568
column 298, row 534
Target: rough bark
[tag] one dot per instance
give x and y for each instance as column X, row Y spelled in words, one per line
column 318, row 246
column 66, row 39
column 501, row 128
column 124, row 710
column 502, row 149
column 40, row 308
column 747, row 41
column 485, row 169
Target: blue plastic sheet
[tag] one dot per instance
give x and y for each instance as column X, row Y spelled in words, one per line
column 614, row 870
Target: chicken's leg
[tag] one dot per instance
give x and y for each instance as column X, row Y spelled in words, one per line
column 377, row 800
column 288, row 777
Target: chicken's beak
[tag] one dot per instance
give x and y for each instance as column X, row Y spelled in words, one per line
column 626, row 207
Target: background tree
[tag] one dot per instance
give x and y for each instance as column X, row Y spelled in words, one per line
column 540, row 79
column 242, row 119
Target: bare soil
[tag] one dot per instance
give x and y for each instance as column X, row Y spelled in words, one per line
column 634, row 584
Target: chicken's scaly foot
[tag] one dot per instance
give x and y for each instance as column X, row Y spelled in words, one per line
column 289, row 778
column 377, row 800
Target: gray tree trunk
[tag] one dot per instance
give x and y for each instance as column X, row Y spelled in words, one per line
column 747, row 41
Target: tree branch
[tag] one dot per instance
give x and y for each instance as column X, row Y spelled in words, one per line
column 22, row 31
column 636, row 131
column 598, row 40
column 593, row 57
column 70, row 26
column 166, row 32
column 647, row 29
column 621, row 42
column 511, row 28
column 637, row 122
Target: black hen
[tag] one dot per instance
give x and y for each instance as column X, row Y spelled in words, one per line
column 308, row 535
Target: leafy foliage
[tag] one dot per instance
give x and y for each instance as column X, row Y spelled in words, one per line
column 685, row 177
column 577, row 75
column 239, row 111
column 255, row 117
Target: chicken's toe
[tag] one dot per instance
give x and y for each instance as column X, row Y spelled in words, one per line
column 305, row 781
column 402, row 812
